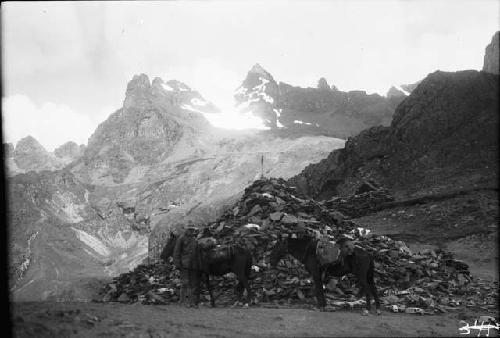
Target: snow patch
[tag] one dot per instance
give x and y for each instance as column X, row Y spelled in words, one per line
column 266, row 97
column 407, row 93
column 183, row 87
column 90, row 253
column 191, row 108
column 302, row 122
column 264, row 81
column 198, row 102
column 92, row 242
column 278, row 112
column 279, row 124
column 240, row 90
column 167, row 87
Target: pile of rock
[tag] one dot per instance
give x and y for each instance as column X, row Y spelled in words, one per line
column 430, row 280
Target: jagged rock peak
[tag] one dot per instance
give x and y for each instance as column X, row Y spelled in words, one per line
column 138, row 89
column 29, row 144
column 157, row 81
column 393, row 91
column 258, row 69
column 323, row 84
column 139, row 82
column 492, row 55
column 69, row 149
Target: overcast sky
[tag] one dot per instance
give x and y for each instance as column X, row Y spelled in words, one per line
column 66, row 65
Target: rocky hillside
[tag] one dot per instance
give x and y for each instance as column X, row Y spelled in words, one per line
column 444, row 135
column 323, row 110
column 492, row 55
column 154, row 119
column 59, row 238
column 431, row 177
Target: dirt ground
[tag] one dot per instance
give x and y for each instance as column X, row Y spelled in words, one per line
column 45, row 319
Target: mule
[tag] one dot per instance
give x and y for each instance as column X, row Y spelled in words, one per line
column 238, row 261
column 359, row 263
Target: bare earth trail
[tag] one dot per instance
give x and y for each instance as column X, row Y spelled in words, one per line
column 45, row 319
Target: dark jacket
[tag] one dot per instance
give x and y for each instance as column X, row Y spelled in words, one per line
column 183, row 251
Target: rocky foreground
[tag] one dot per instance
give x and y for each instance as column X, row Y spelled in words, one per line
column 431, row 280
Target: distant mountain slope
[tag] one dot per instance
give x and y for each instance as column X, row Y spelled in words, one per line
column 30, row 155
column 312, row 111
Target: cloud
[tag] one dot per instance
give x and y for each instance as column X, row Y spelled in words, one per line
column 50, row 123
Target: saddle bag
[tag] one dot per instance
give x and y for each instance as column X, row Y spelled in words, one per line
column 207, row 243
column 327, row 252
column 219, row 253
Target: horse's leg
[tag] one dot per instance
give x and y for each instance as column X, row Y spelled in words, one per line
column 313, row 268
column 184, row 290
column 373, row 288
column 238, row 291
column 245, row 286
column 361, row 270
column 207, row 281
column 239, row 269
column 195, row 288
column 246, row 274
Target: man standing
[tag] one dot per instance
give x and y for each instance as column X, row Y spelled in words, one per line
column 182, row 259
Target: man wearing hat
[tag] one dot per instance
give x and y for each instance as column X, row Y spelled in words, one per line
column 184, row 248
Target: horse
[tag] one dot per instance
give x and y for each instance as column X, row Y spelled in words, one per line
column 238, row 261
column 359, row 263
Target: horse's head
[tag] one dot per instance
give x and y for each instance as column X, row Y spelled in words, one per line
column 168, row 250
column 279, row 250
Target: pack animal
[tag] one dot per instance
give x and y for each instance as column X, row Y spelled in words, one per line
column 357, row 262
column 210, row 262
